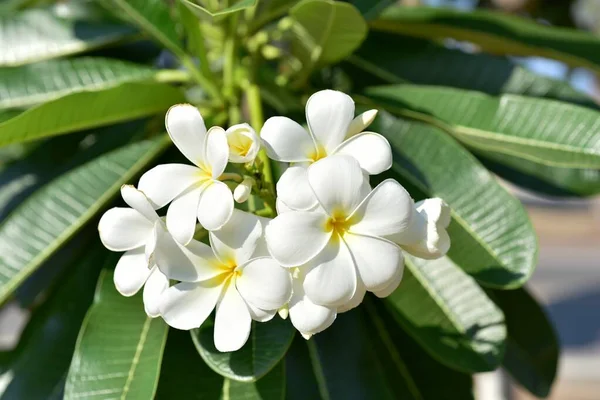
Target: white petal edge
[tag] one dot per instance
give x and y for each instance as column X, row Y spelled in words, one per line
column 187, row 130
column 393, row 285
column 156, row 284
column 217, row 151
column 216, row 206
column 361, row 122
column 236, row 240
column 260, row 315
column 232, row 321
column 131, row 272
column 264, row 283
column 123, row 229
column 186, row 305
column 329, row 114
column 285, row 140
column 372, row 151
column 356, row 300
column 181, row 214
column 294, row 190
column 164, row 182
column 307, row 317
column 137, row 200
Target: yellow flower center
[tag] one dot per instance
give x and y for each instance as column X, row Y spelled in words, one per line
column 228, row 271
column 318, row 153
column 338, row 224
column 240, row 144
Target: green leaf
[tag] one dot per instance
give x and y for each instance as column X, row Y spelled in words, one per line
column 495, row 33
column 119, row 348
column 546, row 131
column 50, row 217
column 370, row 9
column 153, row 17
column 268, row 10
column 427, row 63
column 326, row 31
column 266, row 346
column 49, row 338
column 184, row 375
column 36, row 34
column 236, row 6
column 532, row 348
column 89, row 109
column 492, row 237
column 406, row 361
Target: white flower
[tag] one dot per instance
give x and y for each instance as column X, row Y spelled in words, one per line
column 195, row 191
column 132, row 230
column 361, row 122
column 243, row 190
column 329, row 115
column 236, row 276
column 243, row 143
column 426, row 237
column 342, row 241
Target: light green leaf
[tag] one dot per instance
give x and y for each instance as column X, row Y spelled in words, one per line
column 532, row 348
column 89, row 109
column 119, row 348
column 41, row 82
column 448, row 314
column 236, row 6
column 267, row 345
column 36, row 34
column 326, row 31
column 545, row 131
column 495, row 33
column 267, row 11
column 492, row 237
column 50, row 217
column 49, row 337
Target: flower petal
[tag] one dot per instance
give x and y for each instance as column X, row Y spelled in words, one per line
column 165, row 182
column 309, row 318
column 356, row 300
column 264, row 283
column 392, row 286
column 232, row 321
column 156, row 284
column 217, row 150
column 123, row 229
column 181, row 215
column 371, row 150
column 329, row 114
column 296, row 237
column 236, row 241
column 131, row 272
column 338, row 183
column 281, row 207
column 331, row 278
column 243, row 143
column 187, row 130
column 187, row 305
column 377, row 260
column 285, row 140
column 387, row 210
column 260, row 315
column 361, row 122
column 216, row 206
column 195, row 262
column 293, row 189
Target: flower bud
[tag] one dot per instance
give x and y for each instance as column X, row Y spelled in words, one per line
column 243, row 143
column 243, row 190
column 361, row 122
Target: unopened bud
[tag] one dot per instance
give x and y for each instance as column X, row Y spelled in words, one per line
column 361, row 122
column 243, row 190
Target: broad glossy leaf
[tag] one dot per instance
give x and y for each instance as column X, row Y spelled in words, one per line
column 406, row 361
column 495, row 33
column 532, row 348
column 41, row 82
column 370, row 9
column 546, row 131
column 426, row 63
column 449, row 315
column 233, row 7
column 266, row 346
column 492, row 237
column 119, row 349
column 40, row 34
column 46, row 220
column 326, row 31
column 49, row 338
column 153, row 17
column 89, row 109
column 184, row 375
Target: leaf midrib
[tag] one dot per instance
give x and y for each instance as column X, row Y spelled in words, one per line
column 136, row 357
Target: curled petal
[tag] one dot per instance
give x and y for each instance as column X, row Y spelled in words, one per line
column 216, row 206
column 187, row 305
column 156, row 284
column 232, row 321
column 392, row 286
column 356, row 300
column 285, row 140
column 307, row 317
column 236, row 241
column 329, row 114
column 361, row 122
column 124, row 229
column 217, row 151
column 131, row 272
column 165, row 182
column 264, row 283
column 181, row 215
column 137, row 200
column 371, row 150
column 187, row 130
column 294, row 190
column 260, row 315
column 243, row 143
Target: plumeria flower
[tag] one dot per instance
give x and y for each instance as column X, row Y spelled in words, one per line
column 243, row 143
column 426, row 237
column 329, row 115
column 342, row 242
column 132, row 230
column 236, row 276
column 196, row 191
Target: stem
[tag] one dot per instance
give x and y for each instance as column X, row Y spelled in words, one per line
column 230, row 50
column 172, row 76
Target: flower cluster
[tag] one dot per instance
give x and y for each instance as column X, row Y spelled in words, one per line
column 334, row 237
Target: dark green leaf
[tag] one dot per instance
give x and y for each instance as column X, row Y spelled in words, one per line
column 370, row 9
column 267, row 345
column 532, row 348
column 41, row 82
column 546, row 131
column 49, row 218
column 495, row 33
column 447, row 312
column 89, row 109
column 492, row 237
column 119, row 348
column 36, row 34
